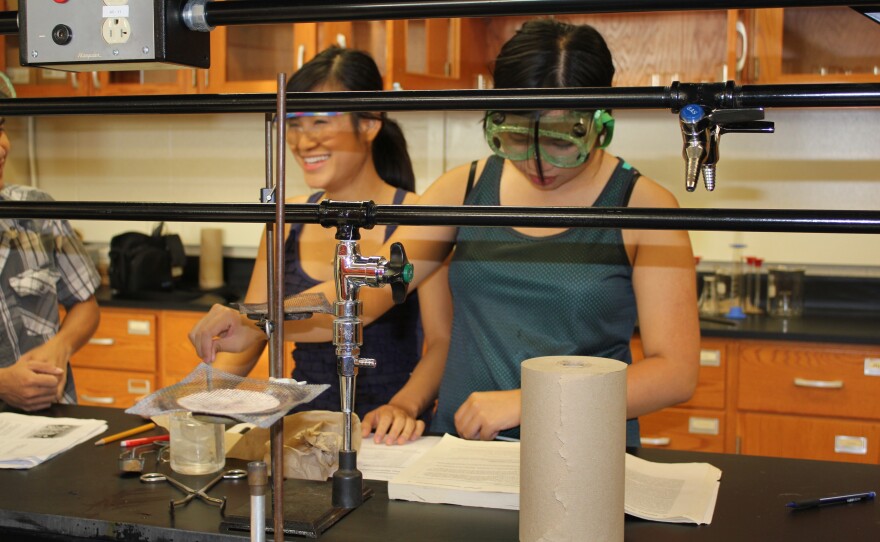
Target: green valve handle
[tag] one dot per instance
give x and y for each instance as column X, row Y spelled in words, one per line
column 400, row 273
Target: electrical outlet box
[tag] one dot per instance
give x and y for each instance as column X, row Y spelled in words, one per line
column 109, row 35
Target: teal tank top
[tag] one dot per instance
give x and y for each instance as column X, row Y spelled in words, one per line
column 517, row 297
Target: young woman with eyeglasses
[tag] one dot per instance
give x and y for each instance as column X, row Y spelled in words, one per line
column 350, row 157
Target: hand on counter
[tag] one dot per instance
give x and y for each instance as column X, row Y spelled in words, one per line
column 223, row 330
column 392, row 424
column 31, row 385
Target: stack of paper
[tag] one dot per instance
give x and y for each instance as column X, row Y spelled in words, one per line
column 486, row 474
column 671, row 492
column 31, row 440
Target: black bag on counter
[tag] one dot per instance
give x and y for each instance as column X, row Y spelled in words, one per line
column 141, row 263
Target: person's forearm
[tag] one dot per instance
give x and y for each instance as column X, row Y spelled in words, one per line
column 79, row 325
column 240, row 364
column 421, row 389
column 652, row 385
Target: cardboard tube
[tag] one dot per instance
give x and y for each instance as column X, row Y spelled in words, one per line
column 572, row 451
column 211, row 259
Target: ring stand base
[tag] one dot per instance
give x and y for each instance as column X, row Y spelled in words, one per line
column 308, row 510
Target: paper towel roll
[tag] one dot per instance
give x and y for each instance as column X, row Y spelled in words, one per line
column 211, row 259
column 572, row 451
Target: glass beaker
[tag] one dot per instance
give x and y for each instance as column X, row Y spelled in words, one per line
column 708, row 303
column 785, row 291
column 196, row 447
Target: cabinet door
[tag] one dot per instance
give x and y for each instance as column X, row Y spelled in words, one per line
column 812, row 379
column 814, row 45
column 178, row 358
column 249, row 58
column 139, row 82
column 117, row 389
column 431, row 54
column 808, row 438
column 683, row 429
column 124, row 341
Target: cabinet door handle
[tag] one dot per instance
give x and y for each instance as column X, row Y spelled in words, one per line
column 99, row 400
column 96, row 81
column 74, row 80
column 300, row 56
column 102, row 341
column 741, row 57
column 655, row 441
column 710, row 358
column 823, row 384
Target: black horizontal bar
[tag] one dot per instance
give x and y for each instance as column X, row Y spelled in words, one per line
column 241, row 12
column 674, row 97
column 772, row 220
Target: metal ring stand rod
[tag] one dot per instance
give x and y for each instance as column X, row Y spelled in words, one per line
column 673, row 97
column 276, row 311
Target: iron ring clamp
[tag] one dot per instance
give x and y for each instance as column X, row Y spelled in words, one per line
column 701, row 131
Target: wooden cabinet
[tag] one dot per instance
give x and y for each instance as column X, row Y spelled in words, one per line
column 118, row 365
column 813, row 401
column 699, row 423
column 808, row 45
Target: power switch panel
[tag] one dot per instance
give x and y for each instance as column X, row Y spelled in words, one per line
column 109, row 35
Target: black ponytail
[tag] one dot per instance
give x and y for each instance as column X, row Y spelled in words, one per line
column 356, row 70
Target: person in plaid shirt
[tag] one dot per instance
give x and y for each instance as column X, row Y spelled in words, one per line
column 42, row 264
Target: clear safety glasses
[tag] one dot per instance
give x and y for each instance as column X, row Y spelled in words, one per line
column 562, row 140
column 317, row 125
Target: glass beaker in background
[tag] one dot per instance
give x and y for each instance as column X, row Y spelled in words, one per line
column 785, row 291
column 708, row 303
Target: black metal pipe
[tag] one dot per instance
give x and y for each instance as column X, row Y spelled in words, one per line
column 241, row 12
column 673, row 97
column 253, row 12
column 769, row 220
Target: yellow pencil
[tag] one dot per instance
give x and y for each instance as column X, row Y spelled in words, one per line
column 130, row 432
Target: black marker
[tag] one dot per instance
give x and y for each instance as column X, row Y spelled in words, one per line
column 825, row 501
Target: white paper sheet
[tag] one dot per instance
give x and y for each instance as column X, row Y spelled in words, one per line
column 31, row 440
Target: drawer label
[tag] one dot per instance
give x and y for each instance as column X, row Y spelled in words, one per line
column 872, row 366
column 844, row 444
column 703, row 426
column 710, row 358
column 138, row 327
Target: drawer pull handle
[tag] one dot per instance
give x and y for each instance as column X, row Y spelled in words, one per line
column 100, row 341
column 703, row 426
column 99, row 400
column 823, row 384
column 655, row 441
column 138, row 386
column 850, row 445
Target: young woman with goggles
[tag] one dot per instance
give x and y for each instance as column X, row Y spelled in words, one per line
column 520, row 293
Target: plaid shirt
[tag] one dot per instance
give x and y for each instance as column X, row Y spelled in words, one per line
column 42, row 264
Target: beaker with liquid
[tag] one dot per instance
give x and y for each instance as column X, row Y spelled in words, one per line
column 785, row 291
column 708, row 303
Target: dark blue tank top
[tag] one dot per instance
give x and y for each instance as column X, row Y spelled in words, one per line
column 394, row 341
column 517, row 297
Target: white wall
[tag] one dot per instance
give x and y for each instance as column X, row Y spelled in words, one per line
column 817, row 159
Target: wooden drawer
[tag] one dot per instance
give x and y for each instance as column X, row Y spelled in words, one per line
column 117, row 389
column 178, row 356
column 808, row 438
column 125, row 340
column 809, row 379
column 713, row 367
column 683, row 429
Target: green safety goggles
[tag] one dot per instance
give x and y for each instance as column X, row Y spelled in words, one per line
column 563, row 140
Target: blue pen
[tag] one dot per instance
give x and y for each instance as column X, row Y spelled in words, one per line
column 825, row 501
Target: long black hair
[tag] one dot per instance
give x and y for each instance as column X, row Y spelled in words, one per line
column 356, row 70
column 547, row 53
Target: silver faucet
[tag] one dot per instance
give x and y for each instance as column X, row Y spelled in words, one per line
column 351, row 272
column 701, row 134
